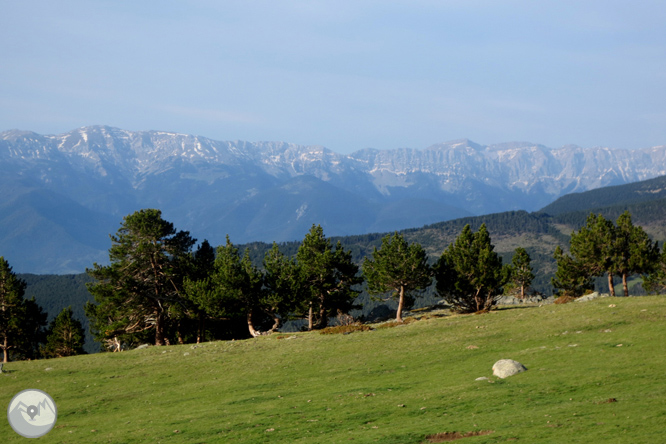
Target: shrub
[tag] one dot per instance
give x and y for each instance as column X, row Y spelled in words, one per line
column 349, row 328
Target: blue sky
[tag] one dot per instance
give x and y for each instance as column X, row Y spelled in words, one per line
column 343, row 74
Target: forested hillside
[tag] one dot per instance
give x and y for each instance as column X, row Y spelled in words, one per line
column 55, row 292
column 620, row 195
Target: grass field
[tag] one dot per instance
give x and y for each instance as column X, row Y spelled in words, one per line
column 596, row 373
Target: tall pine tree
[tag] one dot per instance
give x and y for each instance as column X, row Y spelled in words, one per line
column 469, row 273
column 149, row 260
column 634, row 252
column 399, row 268
column 571, row 277
column 593, row 248
column 328, row 275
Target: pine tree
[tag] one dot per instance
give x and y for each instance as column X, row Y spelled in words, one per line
column 33, row 332
column 655, row 281
column 197, row 286
column 21, row 320
column 282, row 285
column 235, row 286
column 65, row 336
column 397, row 267
column 469, row 273
column 594, row 248
column 570, row 277
column 520, row 271
column 149, row 261
column 634, row 252
column 328, row 274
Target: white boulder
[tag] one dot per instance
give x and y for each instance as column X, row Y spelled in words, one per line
column 507, row 367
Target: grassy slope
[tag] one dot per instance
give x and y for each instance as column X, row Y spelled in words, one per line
column 335, row 388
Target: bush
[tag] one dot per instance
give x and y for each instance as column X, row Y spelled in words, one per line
column 396, row 323
column 349, row 328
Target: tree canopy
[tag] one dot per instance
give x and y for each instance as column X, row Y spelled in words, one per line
column 520, row 273
column 65, row 336
column 469, row 273
column 399, row 268
column 328, row 274
column 149, row 260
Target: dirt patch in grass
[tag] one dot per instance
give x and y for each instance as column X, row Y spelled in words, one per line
column 452, row 436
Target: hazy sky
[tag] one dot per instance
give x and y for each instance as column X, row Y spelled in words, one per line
column 343, row 74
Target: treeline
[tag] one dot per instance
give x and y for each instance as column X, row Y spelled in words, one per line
column 158, row 288
column 163, row 288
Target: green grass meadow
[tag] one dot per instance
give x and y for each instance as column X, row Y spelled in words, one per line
column 596, row 374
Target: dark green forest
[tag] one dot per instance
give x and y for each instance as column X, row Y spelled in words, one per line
column 55, row 292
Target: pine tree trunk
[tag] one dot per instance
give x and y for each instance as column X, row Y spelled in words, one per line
column 477, row 300
column 5, row 357
column 310, row 316
column 200, row 328
column 522, row 292
column 159, row 329
column 253, row 332
column 625, row 285
column 401, row 303
column 180, row 335
column 323, row 319
column 611, row 287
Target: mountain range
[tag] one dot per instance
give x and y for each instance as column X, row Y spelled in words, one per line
column 62, row 195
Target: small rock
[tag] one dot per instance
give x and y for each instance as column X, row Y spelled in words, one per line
column 588, row 297
column 186, row 354
column 401, row 405
column 507, row 367
column 612, row 306
column 619, row 345
column 482, row 378
column 608, row 330
column 142, row 346
column 472, row 347
column 48, row 369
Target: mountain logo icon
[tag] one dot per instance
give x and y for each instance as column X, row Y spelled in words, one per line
column 32, row 413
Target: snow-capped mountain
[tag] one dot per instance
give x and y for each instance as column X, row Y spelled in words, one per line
column 72, row 189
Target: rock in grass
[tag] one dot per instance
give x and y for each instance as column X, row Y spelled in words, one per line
column 507, row 367
column 588, row 297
